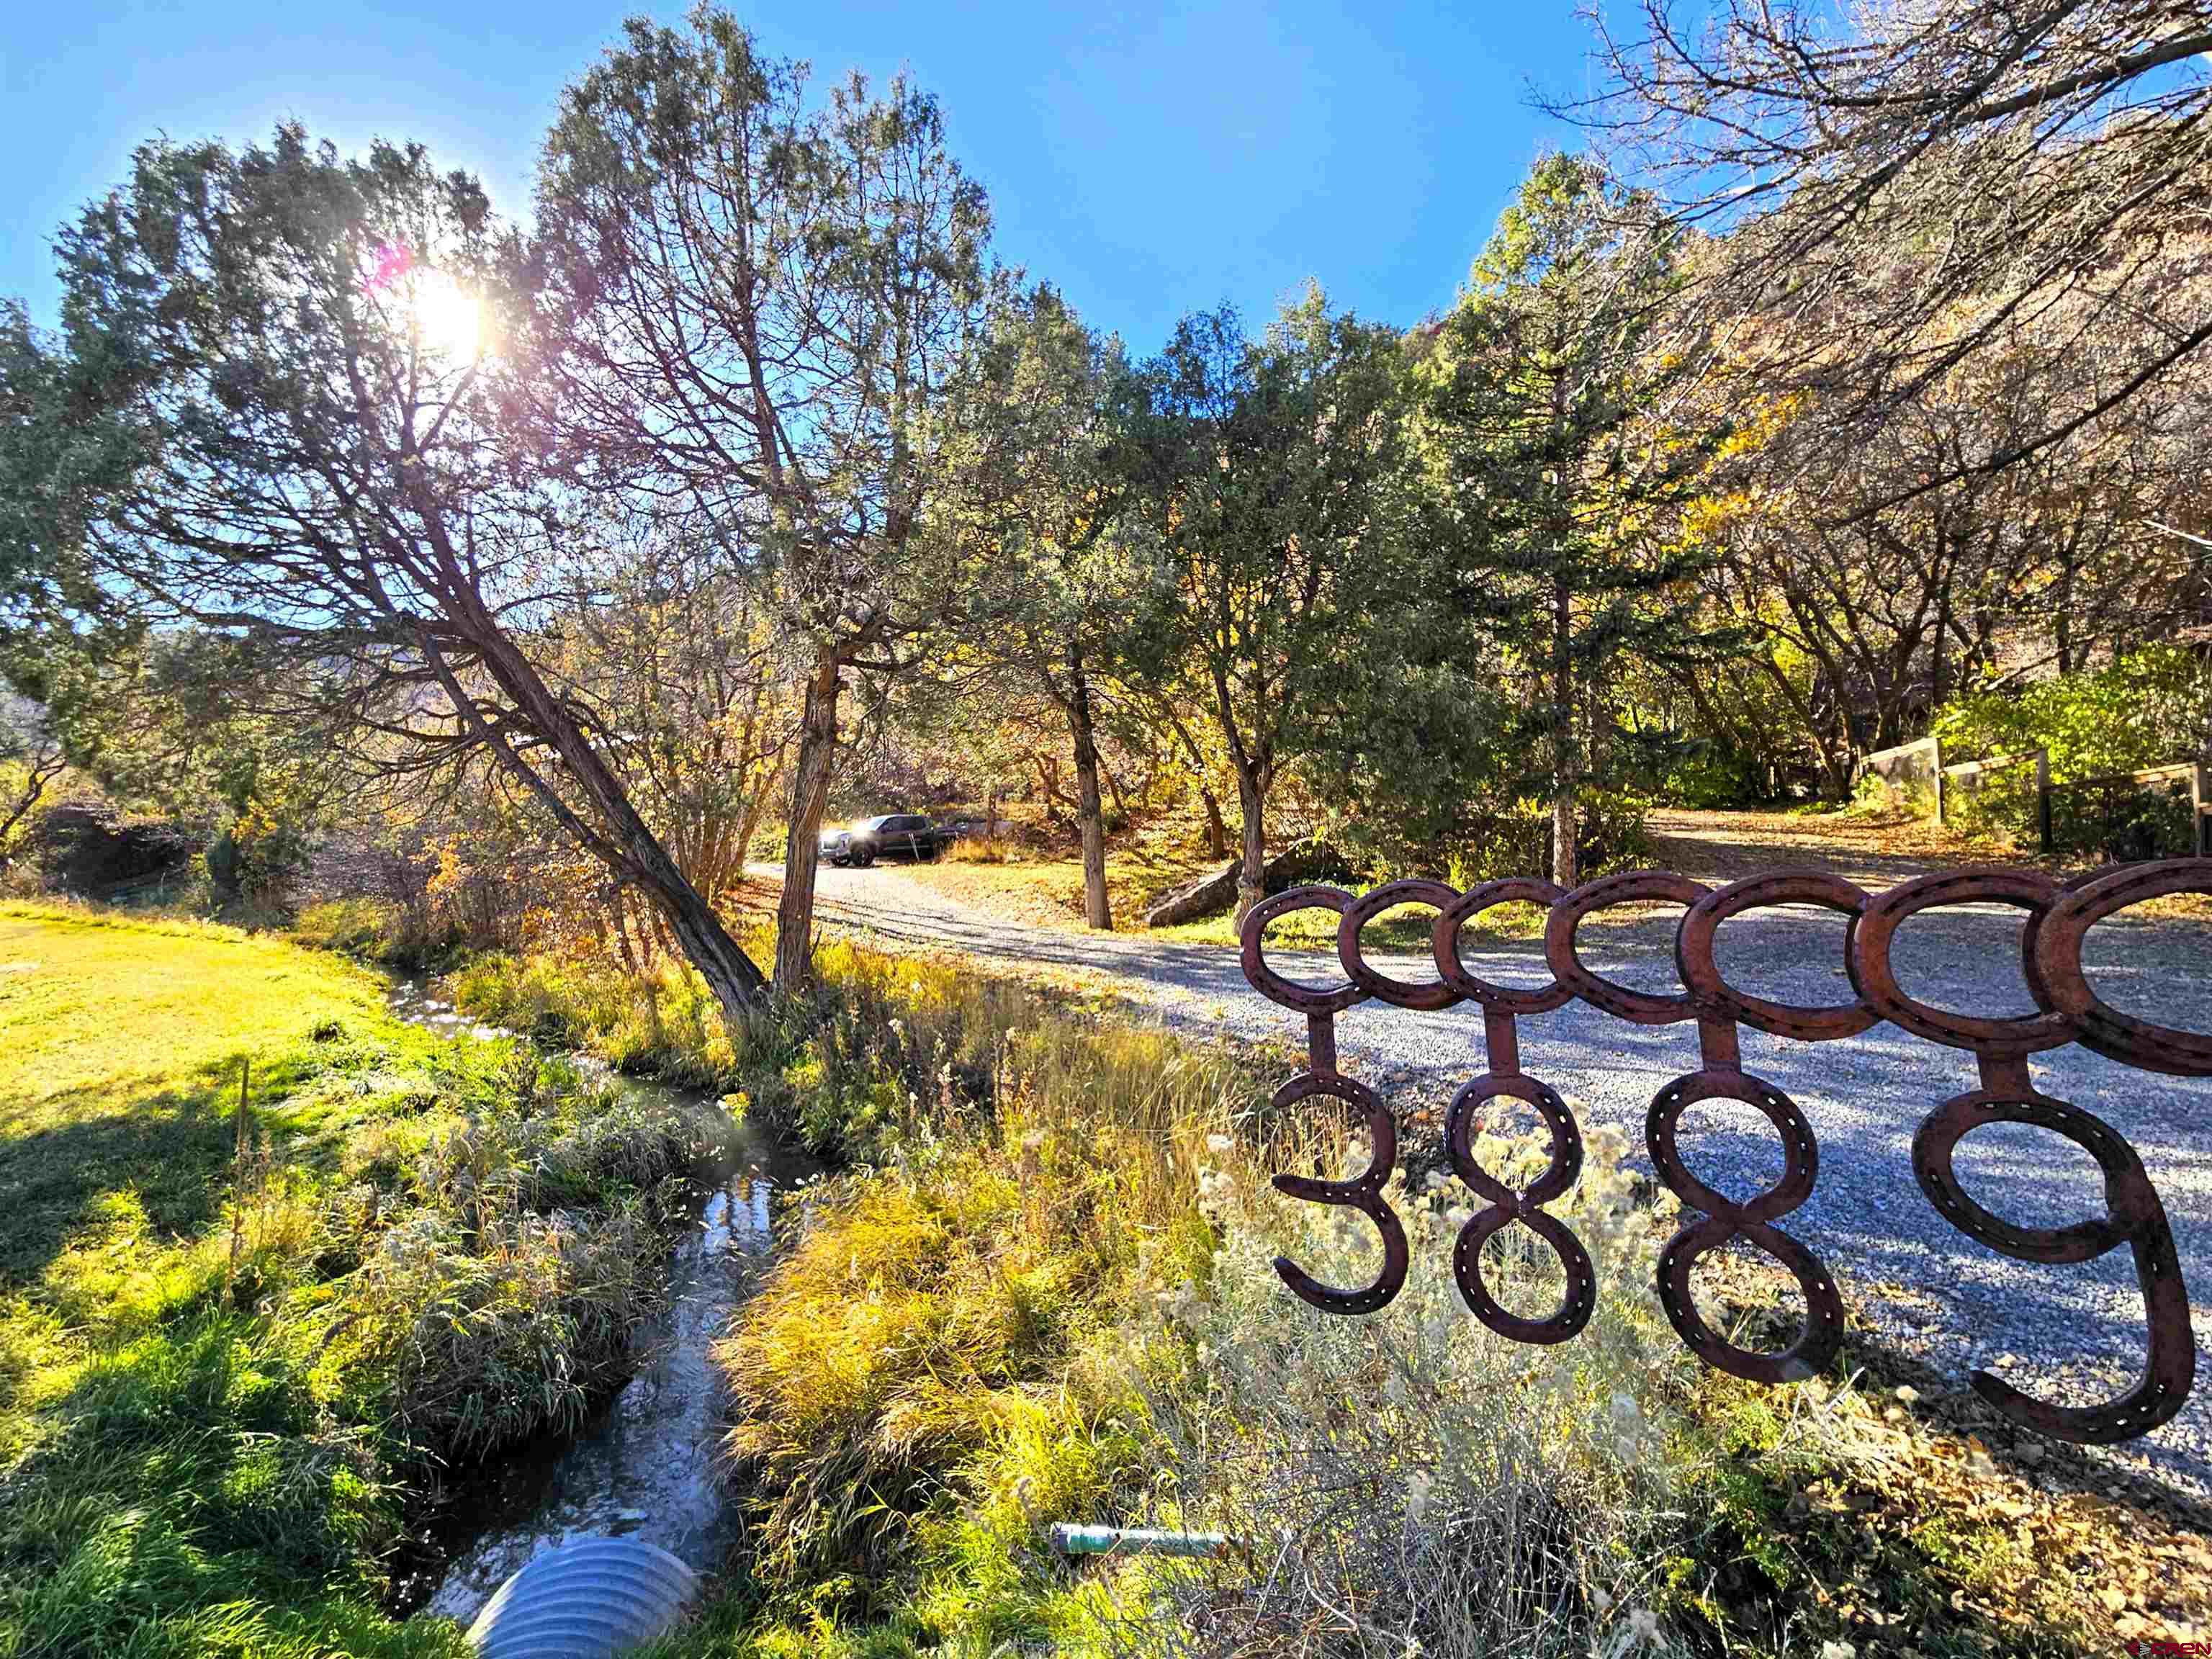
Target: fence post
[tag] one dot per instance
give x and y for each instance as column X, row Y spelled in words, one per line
column 2044, row 839
column 1942, row 787
column 2200, row 796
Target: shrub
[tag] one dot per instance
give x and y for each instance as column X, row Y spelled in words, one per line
column 2148, row 708
column 1421, row 1484
column 1516, row 839
column 364, row 927
column 984, row 849
column 663, row 1024
column 472, row 1341
column 2151, row 707
column 1711, row 776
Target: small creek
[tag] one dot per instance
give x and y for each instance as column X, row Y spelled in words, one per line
column 642, row 1466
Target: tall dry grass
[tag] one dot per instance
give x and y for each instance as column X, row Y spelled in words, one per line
column 903, row 1336
column 1052, row 1299
column 1410, row 1482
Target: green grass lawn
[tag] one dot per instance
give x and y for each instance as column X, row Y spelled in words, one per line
column 121, row 1043
column 230, row 1384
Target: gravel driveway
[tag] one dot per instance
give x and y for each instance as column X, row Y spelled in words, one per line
column 2070, row 1334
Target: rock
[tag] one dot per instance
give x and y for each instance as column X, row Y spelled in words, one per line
column 1296, row 865
column 1202, row 898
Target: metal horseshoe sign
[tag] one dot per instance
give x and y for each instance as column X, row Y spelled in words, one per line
column 2068, row 1011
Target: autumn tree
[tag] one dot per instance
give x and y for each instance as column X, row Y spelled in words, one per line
column 682, row 658
column 1869, row 601
column 760, row 302
column 1874, row 169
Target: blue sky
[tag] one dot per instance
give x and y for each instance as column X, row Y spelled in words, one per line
column 1148, row 160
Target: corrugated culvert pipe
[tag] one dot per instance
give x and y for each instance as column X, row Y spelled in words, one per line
column 589, row 1598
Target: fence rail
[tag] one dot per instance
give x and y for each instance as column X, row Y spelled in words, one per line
column 1916, row 773
column 2068, row 1010
column 2193, row 777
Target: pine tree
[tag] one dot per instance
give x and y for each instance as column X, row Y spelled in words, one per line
column 1557, row 427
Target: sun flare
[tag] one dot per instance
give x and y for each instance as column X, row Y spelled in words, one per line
column 448, row 316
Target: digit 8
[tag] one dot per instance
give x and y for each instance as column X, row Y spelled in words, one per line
column 1725, row 1220
column 1506, row 1206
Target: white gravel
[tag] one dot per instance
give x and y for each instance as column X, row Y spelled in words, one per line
column 2068, row 1333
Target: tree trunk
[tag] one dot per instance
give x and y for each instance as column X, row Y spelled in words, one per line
column 40, row 769
column 810, row 792
column 1562, row 737
column 709, row 948
column 1048, row 771
column 1090, row 813
column 620, row 839
column 1113, row 788
column 750, row 826
column 1940, row 671
column 1217, row 832
column 1252, row 878
column 618, row 907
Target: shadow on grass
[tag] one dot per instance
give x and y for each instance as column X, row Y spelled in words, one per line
column 166, row 1144
column 1925, row 1522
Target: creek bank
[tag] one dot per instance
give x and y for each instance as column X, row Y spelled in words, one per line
column 642, row 1466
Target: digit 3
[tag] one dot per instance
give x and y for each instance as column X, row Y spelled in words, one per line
column 1363, row 1193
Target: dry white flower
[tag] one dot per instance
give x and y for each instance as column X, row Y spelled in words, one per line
column 1417, row 1495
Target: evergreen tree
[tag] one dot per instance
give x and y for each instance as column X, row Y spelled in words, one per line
column 1556, row 425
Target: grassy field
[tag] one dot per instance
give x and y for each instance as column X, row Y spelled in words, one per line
column 229, row 1376
column 120, row 1045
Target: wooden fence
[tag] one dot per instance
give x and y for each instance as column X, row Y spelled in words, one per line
column 1915, row 775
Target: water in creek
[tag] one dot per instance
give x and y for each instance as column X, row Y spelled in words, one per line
column 643, row 1465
